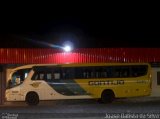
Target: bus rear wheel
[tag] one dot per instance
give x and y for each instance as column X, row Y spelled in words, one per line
column 107, row 96
column 32, row 98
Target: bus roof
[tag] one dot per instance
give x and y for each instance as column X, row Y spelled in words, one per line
column 77, row 64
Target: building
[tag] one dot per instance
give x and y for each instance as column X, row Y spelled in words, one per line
column 12, row 57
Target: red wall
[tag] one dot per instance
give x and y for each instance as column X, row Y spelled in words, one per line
column 43, row 55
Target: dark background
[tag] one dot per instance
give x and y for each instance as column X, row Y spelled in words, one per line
column 100, row 25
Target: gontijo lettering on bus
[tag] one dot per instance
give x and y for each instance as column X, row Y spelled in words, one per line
column 108, row 82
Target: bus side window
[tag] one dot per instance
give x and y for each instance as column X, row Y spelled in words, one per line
column 103, row 72
column 78, row 72
column 115, row 72
column 88, row 72
column 124, row 74
column 41, row 76
column 67, row 73
column 38, row 76
column 98, row 72
column 49, row 76
column 56, row 75
column 135, row 74
column 64, row 73
column 35, row 77
column 139, row 71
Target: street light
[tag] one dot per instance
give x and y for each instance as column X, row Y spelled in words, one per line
column 67, row 48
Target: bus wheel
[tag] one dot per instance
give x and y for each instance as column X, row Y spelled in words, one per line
column 107, row 96
column 32, row 98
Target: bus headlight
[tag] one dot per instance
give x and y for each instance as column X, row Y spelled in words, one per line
column 7, row 92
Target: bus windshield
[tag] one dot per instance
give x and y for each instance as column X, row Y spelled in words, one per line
column 18, row 77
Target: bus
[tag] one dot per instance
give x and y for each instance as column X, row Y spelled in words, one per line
column 102, row 81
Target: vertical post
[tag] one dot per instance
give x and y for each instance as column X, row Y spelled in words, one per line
column 0, row 89
column 2, row 85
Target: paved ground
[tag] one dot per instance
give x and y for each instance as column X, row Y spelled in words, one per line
column 122, row 108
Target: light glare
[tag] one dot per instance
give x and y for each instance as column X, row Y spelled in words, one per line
column 67, row 48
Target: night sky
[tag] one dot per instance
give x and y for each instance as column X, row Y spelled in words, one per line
column 85, row 27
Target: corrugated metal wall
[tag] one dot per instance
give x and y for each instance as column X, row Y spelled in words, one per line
column 25, row 56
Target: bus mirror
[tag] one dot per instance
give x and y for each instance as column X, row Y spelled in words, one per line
column 9, row 83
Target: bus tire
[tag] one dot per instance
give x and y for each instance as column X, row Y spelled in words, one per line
column 32, row 98
column 107, row 96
